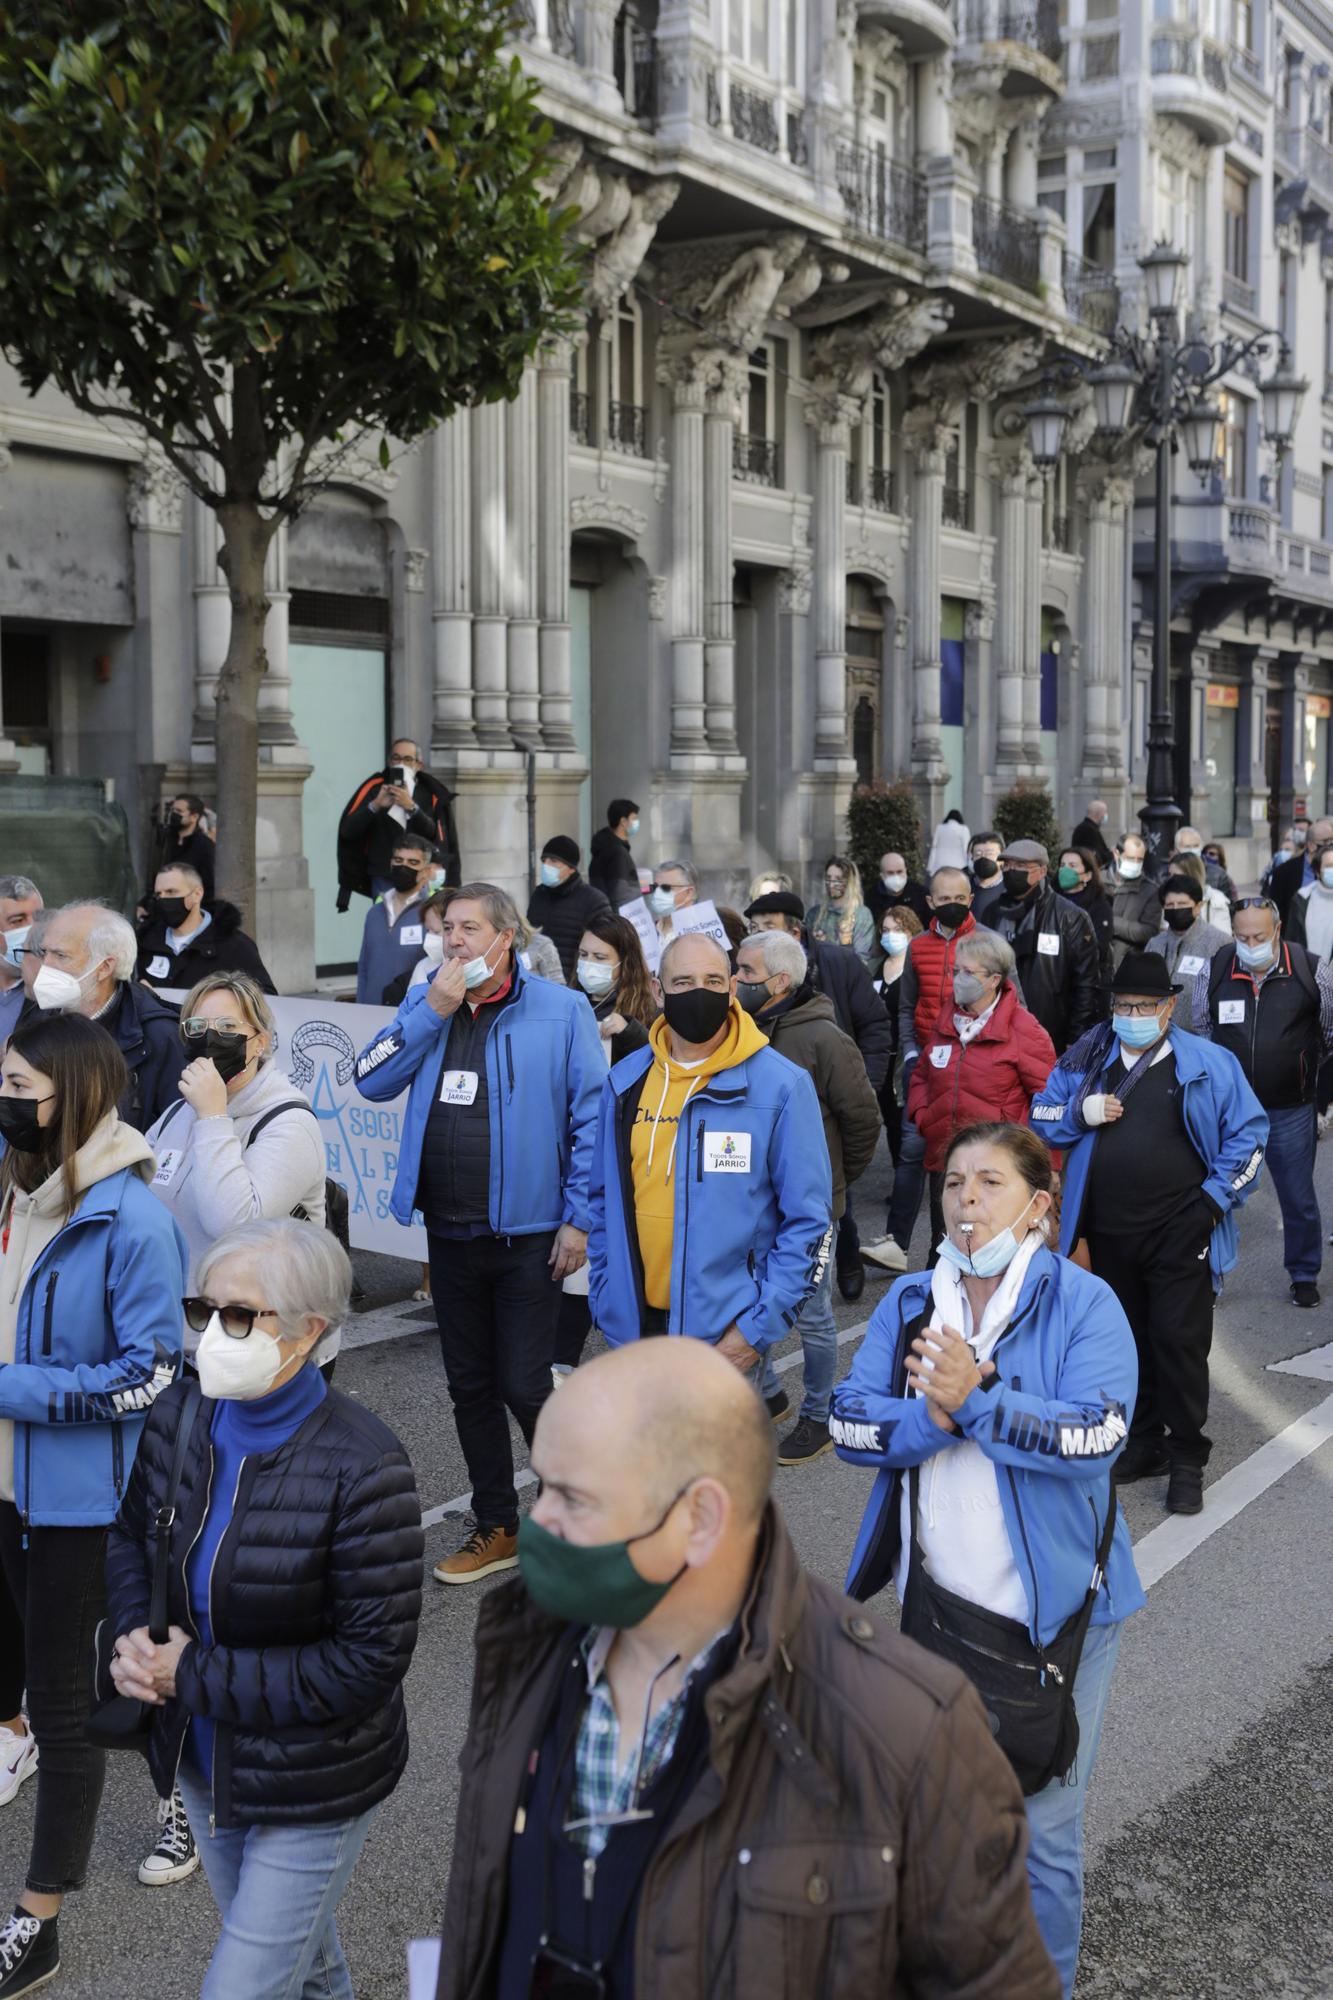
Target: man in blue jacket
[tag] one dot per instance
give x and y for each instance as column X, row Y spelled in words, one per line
column 1165, row 1141
column 711, row 1192
column 503, row 1074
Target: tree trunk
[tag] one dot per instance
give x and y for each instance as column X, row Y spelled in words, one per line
column 246, row 534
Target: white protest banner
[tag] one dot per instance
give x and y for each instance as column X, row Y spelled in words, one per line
column 701, row 917
column 645, row 923
column 316, row 1045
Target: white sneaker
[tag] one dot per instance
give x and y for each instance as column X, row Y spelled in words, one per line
column 886, row 1253
column 175, row 1855
column 18, row 1760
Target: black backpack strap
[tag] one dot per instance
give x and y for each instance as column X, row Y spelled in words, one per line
column 1220, row 967
column 275, row 1111
column 1303, row 972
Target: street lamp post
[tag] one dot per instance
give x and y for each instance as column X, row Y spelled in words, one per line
column 1158, row 386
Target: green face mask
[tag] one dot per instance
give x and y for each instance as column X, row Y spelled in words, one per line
column 593, row 1584
column 1068, row 878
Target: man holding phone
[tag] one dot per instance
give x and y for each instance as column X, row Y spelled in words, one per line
column 402, row 799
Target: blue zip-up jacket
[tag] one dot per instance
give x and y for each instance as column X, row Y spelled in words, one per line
column 747, row 1248
column 1227, row 1126
column 544, row 1073
column 98, row 1339
column 1052, row 1420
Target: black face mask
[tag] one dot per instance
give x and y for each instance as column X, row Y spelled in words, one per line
column 985, row 869
column 403, row 879
column 752, row 994
column 18, row 1124
column 1179, row 920
column 175, row 822
column 1015, row 884
column 172, row 910
column 697, row 1014
column 228, row 1053
column 950, row 914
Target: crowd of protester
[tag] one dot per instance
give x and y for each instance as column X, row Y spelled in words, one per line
column 617, row 1123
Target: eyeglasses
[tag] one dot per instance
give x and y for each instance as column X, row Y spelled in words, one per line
column 197, row 1027
column 28, row 951
column 237, row 1321
column 1138, row 1010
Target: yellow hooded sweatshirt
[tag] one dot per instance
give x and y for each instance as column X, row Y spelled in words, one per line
column 667, row 1089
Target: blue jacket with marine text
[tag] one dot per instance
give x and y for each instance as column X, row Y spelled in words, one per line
column 542, row 1092
column 1227, row 1127
column 1052, row 1427
column 748, row 1247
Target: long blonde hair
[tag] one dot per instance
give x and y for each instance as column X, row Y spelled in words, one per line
column 843, row 915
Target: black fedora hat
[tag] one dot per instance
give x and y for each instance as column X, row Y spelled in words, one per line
column 1145, row 973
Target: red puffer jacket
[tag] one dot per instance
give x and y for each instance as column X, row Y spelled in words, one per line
column 994, row 1076
column 927, row 979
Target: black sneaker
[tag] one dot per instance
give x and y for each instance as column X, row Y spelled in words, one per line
column 175, row 1856
column 1140, row 1461
column 777, row 1405
column 809, row 1439
column 1184, row 1495
column 29, row 1953
column 1304, row 1292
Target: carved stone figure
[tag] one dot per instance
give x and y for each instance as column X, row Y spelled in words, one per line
column 620, row 259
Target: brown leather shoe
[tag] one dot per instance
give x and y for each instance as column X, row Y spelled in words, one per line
column 485, row 1551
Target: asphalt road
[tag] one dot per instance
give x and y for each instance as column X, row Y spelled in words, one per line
column 1210, row 1818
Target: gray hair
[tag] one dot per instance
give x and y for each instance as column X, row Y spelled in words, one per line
column 305, row 1270
column 109, row 936
column 693, row 937
column 780, row 952
column 988, row 951
column 501, row 909
column 190, row 876
column 775, row 876
column 685, row 868
column 17, row 888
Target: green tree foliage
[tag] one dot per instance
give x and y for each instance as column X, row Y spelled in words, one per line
column 259, row 232
column 1026, row 813
column 883, row 819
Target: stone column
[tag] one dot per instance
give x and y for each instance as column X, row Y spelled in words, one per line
column 599, row 45
column 934, row 91
column 1012, row 467
column 831, row 416
column 1107, row 497
column 451, row 541
column 489, row 680
column 1207, row 288
column 556, row 707
column 1202, row 667
column 1252, row 808
column 927, row 441
column 725, row 382
column 212, row 623
column 1034, row 504
column 688, row 738
column 275, row 690
column 686, row 58
column 521, row 559
column 1020, row 167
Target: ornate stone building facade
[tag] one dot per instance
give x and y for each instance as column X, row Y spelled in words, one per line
column 768, row 522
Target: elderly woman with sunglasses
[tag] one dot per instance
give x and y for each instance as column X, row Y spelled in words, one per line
column 294, row 1590
column 239, row 1144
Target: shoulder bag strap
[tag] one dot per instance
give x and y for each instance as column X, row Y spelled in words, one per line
column 275, row 1111
column 166, row 1515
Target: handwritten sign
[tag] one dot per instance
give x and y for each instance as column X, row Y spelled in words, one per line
column 701, row 917
column 645, row 923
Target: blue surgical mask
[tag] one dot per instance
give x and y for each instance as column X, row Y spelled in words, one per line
column 595, row 978
column 551, row 877
column 13, row 941
column 634, row 826
column 895, row 943
column 1136, row 1033
column 992, row 1258
column 1254, row 956
column 661, row 901
column 1325, row 876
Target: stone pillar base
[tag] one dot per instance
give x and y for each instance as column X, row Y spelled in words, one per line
column 283, row 920
column 826, row 793
column 698, row 814
column 491, row 809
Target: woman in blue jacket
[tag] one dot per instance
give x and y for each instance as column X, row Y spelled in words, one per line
column 1014, row 1486
column 91, row 1273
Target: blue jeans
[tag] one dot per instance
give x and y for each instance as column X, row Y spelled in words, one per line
column 1289, row 1157
column 1055, row 1815
column 819, row 1345
column 277, row 1888
column 909, row 1180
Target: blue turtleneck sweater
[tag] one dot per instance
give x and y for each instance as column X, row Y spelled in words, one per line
column 239, row 1430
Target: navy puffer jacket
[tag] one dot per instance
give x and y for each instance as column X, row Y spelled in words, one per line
column 316, row 1593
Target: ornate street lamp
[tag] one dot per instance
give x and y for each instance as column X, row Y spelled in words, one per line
column 1160, row 386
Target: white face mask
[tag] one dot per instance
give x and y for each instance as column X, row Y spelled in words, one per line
column 236, row 1370
column 894, row 883
column 661, row 901
column 1130, row 871
column 478, row 970
column 433, row 946
column 595, row 978
column 58, row 992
